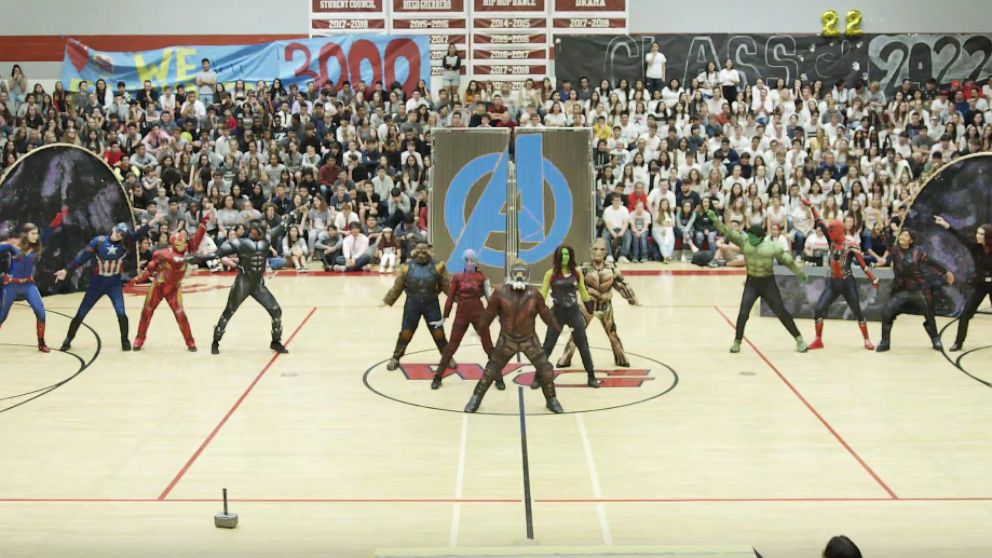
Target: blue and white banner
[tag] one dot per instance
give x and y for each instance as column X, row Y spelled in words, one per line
column 370, row 58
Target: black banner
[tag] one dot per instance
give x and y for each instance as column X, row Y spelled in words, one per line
column 54, row 179
column 888, row 59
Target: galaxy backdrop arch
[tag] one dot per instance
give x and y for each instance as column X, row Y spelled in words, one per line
column 49, row 179
column 960, row 192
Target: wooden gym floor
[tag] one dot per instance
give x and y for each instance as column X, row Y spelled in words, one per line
column 325, row 453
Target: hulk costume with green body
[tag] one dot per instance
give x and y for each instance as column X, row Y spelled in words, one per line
column 760, row 255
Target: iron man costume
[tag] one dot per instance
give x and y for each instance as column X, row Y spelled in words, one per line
column 841, row 255
column 168, row 267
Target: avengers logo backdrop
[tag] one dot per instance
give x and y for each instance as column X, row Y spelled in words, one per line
column 49, row 179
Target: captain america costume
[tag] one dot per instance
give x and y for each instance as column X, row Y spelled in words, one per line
column 106, row 280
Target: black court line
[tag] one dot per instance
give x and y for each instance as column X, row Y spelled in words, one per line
column 83, row 365
column 957, row 362
column 528, row 506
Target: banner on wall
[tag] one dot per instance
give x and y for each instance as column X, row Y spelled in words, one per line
column 370, row 58
column 335, row 17
column 445, row 22
column 888, row 59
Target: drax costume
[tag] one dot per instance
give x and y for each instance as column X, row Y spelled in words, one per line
column 601, row 278
column 910, row 289
column 253, row 253
column 518, row 304
column 468, row 289
column 567, row 287
column 842, row 252
column 423, row 280
column 760, row 255
column 168, row 267
column 18, row 281
column 108, row 253
column 981, row 284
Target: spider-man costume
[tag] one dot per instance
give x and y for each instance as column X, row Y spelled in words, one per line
column 168, row 266
column 842, row 252
column 467, row 288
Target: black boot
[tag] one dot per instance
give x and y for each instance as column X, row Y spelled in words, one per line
column 956, row 346
column 122, row 323
column 215, row 347
column 883, row 345
column 473, row 403
column 591, row 380
column 278, row 347
column 554, row 406
column 931, row 329
column 436, row 382
column 71, row 334
column 500, row 384
column 218, row 333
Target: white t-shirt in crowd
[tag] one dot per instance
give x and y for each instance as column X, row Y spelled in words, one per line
column 655, row 69
column 615, row 218
column 729, row 77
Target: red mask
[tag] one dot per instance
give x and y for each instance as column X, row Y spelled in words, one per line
column 835, row 230
column 179, row 241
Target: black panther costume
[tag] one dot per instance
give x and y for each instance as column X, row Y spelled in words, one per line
column 252, row 252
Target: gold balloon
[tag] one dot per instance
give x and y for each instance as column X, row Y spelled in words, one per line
column 829, row 20
column 853, row 27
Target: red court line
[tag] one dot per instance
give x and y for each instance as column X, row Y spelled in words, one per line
column 276, row 500
column 814, row 411
column 223, row 421
column 489, row 500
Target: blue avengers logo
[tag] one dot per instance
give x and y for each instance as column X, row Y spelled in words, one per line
column 487, row 217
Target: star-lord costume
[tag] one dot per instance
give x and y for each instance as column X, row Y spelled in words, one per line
column 168, row 267
column 760, row 255
column 423, row 280
column 911, row 292
column 468, row 289
column 841, row 253
column 253, row 254
column 601, row 278
column 981, row 284
column 518, row 304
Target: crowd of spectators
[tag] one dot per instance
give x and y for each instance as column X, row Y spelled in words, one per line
column 351, row 166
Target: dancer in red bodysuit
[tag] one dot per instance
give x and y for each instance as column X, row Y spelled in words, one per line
column 168, row 266
column 842, row 253
column 467, row 288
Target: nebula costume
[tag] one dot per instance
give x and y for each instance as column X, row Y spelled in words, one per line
column 760, row 255
column 601, row 277
column 910, row 289
column 109, row 253
column 18, row 281
column 168, row 266
column 841, row 254
column 567, row 286
column 981, row 251
column 253, row 253
column 423, row 280
column 467, row 288
column 518, row 304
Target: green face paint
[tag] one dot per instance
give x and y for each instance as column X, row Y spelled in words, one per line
column 565, row 257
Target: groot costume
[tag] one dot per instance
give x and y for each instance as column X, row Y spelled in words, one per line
column 601, row 278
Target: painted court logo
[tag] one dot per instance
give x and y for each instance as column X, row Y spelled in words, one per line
column 644, row 380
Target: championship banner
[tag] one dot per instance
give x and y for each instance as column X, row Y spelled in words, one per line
column 369, row 58
column 443, row 21
column 72, row 196
column 554, row 186
column 888, row 59
column 468, row 197
column 335, row 17
column 518, row 28
column 577, row 17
